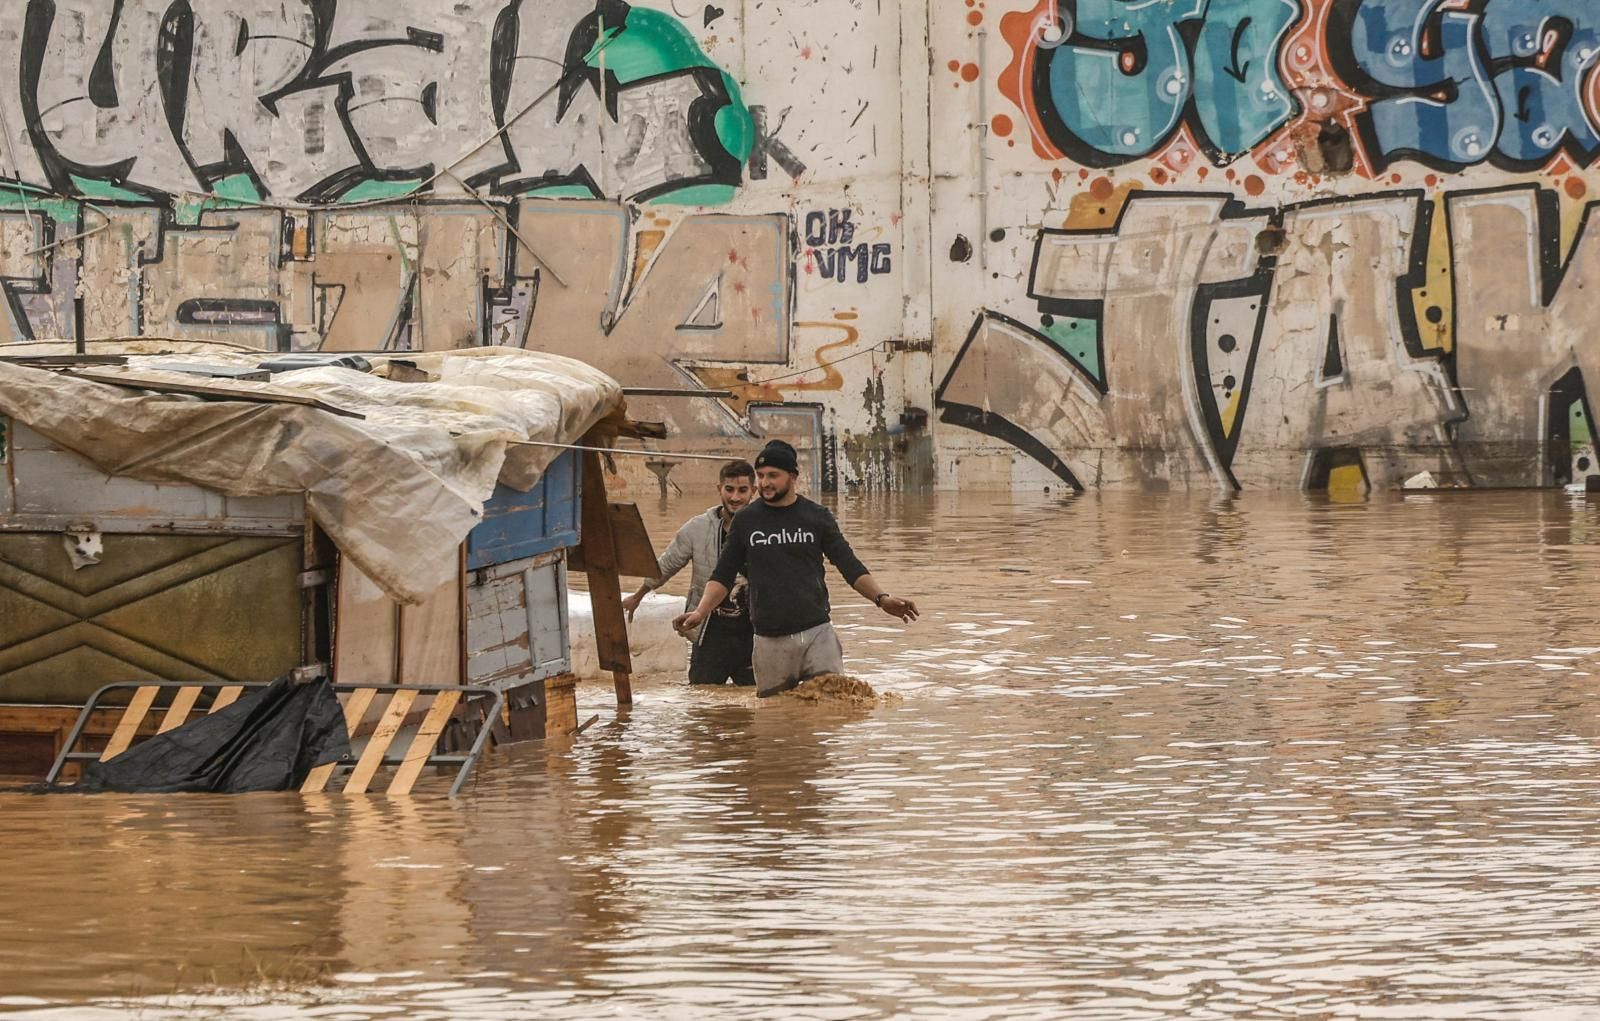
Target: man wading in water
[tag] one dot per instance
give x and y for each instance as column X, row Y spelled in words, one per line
column 721, row 649
column 778, row 543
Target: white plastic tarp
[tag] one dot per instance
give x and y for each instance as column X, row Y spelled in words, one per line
column 397, row 490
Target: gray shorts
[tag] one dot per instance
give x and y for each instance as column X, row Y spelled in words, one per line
column 784, row 661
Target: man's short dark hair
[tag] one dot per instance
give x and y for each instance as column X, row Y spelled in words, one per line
column 736, row 470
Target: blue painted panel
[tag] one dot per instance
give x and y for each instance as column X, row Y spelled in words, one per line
column 519, row 525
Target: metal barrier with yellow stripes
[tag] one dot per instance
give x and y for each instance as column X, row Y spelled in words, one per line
column 397, row 707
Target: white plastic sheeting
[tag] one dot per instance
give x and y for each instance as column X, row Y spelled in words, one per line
column 397, row 490
column 655, row 648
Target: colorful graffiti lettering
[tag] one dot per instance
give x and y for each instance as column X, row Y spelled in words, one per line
column 343, row 101
column 1451, row 88
column 1248, row 347
column 1445, row 85
column 355, row 175
column 1116, row 83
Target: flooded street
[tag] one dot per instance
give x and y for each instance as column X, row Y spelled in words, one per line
column 1153, row 757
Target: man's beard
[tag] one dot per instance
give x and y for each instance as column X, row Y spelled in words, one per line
column 777, row 494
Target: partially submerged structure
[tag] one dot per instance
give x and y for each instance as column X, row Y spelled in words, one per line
column 206, row 515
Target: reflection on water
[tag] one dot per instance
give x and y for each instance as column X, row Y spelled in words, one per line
column 1261, row 757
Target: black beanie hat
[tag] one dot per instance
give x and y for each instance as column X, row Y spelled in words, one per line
column 778, row 454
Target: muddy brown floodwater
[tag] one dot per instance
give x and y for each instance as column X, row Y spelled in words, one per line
column 1152, row 757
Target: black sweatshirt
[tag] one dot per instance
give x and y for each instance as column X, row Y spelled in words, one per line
column 780, row 549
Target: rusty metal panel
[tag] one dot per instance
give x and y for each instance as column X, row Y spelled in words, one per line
column 517, row 622
column 52, row 488
column 155, row 607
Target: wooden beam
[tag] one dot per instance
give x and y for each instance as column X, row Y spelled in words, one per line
column 671, row 391
column 355, row 708
column 641, row 430
column 444, row 703
column 138, row 705
column 211, row 391
column 178, row 712
column 378, row 744
column 636, row 555
column 605, row 588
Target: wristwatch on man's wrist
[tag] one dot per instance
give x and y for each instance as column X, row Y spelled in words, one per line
column 879, row 598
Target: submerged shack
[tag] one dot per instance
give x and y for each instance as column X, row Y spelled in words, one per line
column 202, row 514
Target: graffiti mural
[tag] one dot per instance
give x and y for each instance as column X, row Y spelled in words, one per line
column 1219, row 243
column 183, row 168
column 1288, row 242
column 1444, row 84
column 349, row 175
column 1103, row 82
column 1220, row 344
column 314, row 102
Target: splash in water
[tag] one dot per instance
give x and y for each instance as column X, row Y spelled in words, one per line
column 839, row 689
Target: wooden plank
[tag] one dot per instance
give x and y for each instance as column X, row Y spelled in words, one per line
column 378, row 743
column 178, row 712
column 636, row 556
column 668, row 391
column 210, row 391
column 138, row 705
column 67, row 360
column 431, row 638
column 355, row 707
column 366, row 630
column 226, row 697
column 605, row 588
column 444, row 703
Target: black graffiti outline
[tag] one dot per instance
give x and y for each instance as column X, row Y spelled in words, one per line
column 723, row 167
column 990, row 423
column 1567, row 390
column 1553, row 261
column 1084, row 154
column 1260, row 279
column 13, row 287
column 1554, row 264
column 1234, row 69
column 1258, row 285
column 173, row 73
column 1341, row 55
column 507, row 177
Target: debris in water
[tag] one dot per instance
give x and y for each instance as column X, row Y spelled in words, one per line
column 840, row 689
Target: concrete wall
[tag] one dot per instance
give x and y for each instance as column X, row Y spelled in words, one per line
column 1226, row 243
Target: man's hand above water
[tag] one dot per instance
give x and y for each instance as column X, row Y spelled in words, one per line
column 894, row 606
column 684, row 623
column 631, row 604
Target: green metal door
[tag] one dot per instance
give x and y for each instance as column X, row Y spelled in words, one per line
column 156, row 607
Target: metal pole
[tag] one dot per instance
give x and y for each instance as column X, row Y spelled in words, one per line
column 983, row 157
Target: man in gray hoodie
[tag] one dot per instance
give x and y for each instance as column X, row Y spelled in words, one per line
column 722, row 645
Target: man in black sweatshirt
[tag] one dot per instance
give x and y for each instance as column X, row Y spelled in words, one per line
column 778, row 543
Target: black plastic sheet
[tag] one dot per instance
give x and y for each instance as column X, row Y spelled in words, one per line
column 266, row 741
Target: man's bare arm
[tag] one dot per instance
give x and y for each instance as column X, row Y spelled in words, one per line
column 894, row 606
